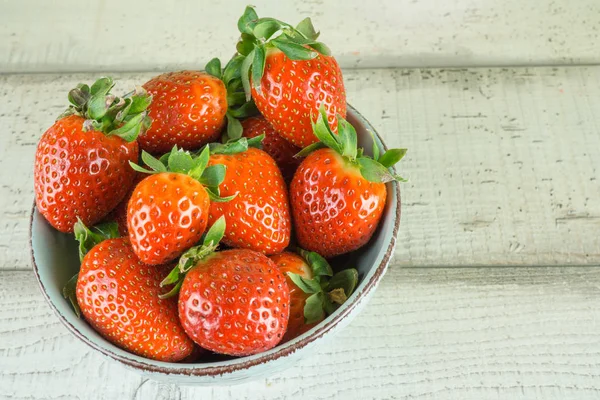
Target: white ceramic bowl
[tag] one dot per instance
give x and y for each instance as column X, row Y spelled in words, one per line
column 55, row 260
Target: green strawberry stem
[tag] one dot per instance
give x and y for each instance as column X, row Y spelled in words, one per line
column 125, row 116
column 373, row 169
column 189, row 259
column 327, row 290
column 87, row 238
column 260, row 35
column 183, row 162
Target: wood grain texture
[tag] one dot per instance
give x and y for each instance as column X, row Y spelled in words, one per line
column 111, row 35
column 472, row 333
column 503, row 163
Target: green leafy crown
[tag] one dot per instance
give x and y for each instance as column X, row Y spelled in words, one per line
column 183, row 162
column 125, row 116
column 374, row 169
column 208, row 245
column 259, row 35
column 327, row 290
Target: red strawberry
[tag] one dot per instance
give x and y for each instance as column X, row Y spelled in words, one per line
column 281, row 150
column 119, row 213
column 119, row 297
column 258, row 215
column 290, row 262
column 82, row 162
column 168, row 211
column 188, row 110
column 337, row 194
column 312, row 293
column 235, row 302
column 292, row 76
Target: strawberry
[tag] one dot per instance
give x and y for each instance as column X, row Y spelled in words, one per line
column 337, row 194
column 82, row 161
column 259, row 213
column 118, row 295
column 188, row 111
column 233, row 302
column 119, row 213
column 289, row 75
column 168, row 211
column 313, row 294
column 278, row 148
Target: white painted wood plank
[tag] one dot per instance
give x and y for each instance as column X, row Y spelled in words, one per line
column 112, row 35
column 487, row 333
column 503, row 163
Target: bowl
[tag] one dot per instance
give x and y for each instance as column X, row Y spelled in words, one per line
column 55, row 261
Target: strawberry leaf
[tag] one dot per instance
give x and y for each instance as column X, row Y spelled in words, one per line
column 69, row 292
column 391, row 157
column 375, row 147
column 213, row 176
column 233, row 69
column 256, row 141
column 346, row 280
column 347, row 138
column 234, row 127
column 143, row 170
column 306, row 285
column 306, row 28
column 132, row 128
column 321, row 48
column 213, row 195
column 313, row 308
column 173, row 291
column 318, row 264
column 216, row 232
column 266, row 28
column 294, row 51
column 246, row 45
column 180, row 162
column 153, row 163
column 199, row 163
column 258, row 67
column 140, row 100
column 213, row 67
column 90, row 237
column 248, row 109
column 102, row 86
column 246, row 74
column 324, row 133
column 373, row 171
column 193, row 256
column 172, row 278
column 231, row 147
column 247, row 21
column 79, row 96
column 309, row 149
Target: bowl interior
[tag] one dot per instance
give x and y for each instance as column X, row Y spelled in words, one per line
column 55, row 261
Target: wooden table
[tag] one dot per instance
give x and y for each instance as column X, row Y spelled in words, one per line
column 493, row 290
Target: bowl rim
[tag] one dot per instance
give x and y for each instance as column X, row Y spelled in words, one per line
column 212, row 371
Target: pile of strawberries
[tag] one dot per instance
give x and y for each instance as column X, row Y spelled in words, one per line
column 185, row 224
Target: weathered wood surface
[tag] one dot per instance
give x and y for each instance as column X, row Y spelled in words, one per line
column 459, row 333
column 503, row 163
column 136, row 35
